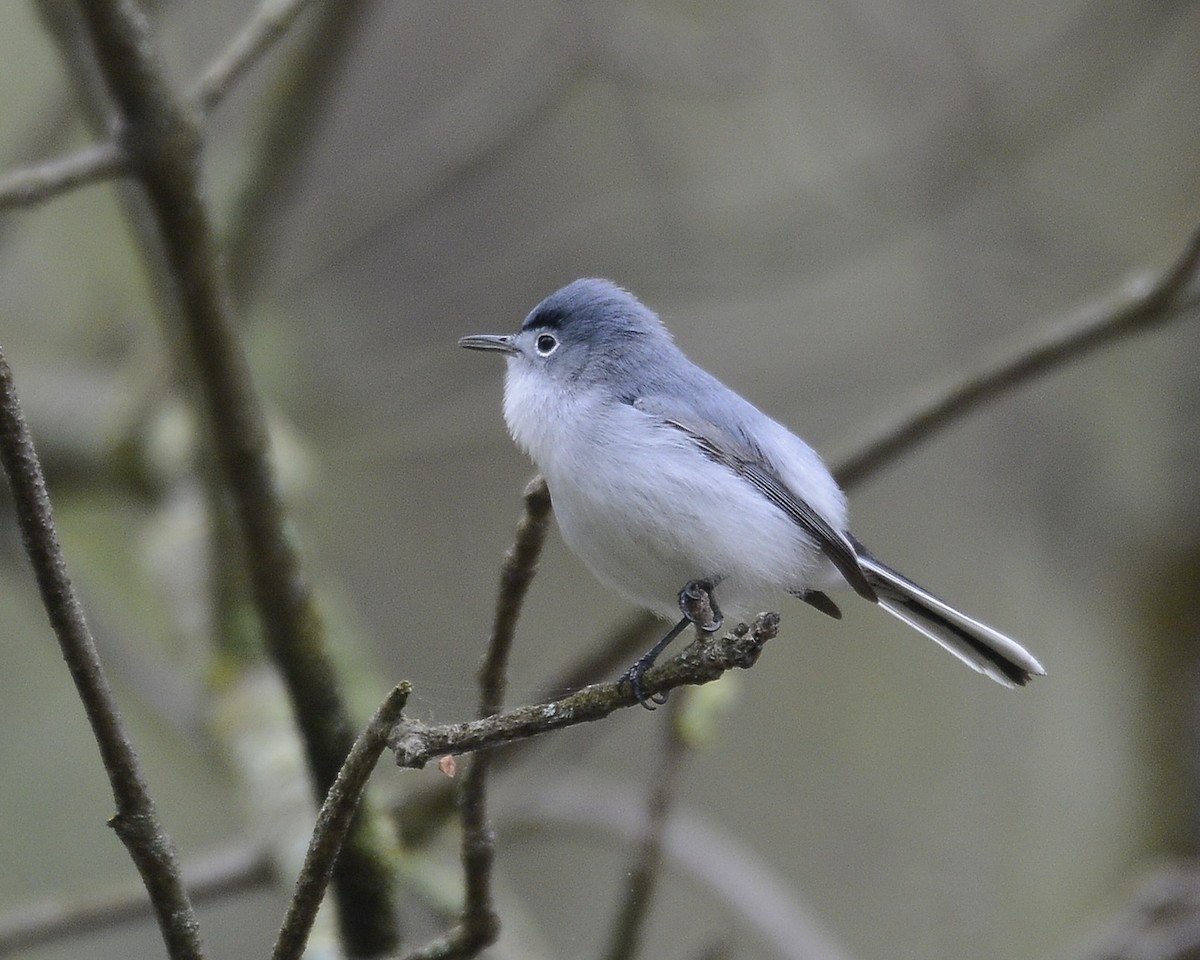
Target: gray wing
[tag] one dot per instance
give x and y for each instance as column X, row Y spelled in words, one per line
column 718, row 445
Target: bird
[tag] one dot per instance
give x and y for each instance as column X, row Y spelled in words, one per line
column 665, row 482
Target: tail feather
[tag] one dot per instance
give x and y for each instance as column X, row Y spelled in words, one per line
column 976, row 644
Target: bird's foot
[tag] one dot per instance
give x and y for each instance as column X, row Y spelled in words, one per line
column 633, row 676
column 699, row 606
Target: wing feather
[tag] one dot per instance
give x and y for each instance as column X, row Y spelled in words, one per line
column 720, row 448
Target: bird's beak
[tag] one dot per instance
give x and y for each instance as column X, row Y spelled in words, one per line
column 489, row 341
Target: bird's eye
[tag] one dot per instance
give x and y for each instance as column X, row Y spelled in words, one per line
column 546, row 344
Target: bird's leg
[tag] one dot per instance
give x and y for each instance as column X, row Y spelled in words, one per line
column 633, row 676
column 697, row 605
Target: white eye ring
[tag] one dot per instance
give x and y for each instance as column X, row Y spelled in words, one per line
column 545, row 344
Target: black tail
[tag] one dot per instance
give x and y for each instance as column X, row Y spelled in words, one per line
column 974, row 643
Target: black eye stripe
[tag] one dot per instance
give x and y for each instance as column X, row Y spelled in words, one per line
column 547, row 318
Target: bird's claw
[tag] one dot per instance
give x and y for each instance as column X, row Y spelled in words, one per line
column 633, row 677
column 697, row 603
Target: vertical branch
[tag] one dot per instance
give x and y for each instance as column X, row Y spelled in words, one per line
column 333, row 823
column 631, row 918
column 516, row 573
column 136, row 821
column 479, row 926
column 162, row 135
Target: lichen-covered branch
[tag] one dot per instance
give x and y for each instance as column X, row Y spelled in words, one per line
column 136, row 820
column 423, row 811
column 704, row 660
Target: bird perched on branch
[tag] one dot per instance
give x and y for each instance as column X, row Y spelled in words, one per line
column 665, row 482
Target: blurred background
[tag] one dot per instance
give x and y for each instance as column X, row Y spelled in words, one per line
column 836, row 208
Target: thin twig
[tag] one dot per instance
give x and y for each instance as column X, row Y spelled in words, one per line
column 1141, row 306
column 704, row 660
column 217, row 877
column 33, row 185
column 516, row 573
column 635, row 907
column 136, row 820
column 333, row 824
column 162, row 132
column 269, row 23
column 479, row 925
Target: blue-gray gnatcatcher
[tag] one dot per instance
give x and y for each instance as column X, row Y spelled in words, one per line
column 663, row 478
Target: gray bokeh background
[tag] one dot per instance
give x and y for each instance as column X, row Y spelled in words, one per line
column 835, row 207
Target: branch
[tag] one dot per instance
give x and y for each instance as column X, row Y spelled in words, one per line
column 704, row 660
column 479, row 925
column 33, row 185
column 163, row 137
column 423, row 811
column 136, row 820
column 333, row 824
column 631, row 918
column 268, row 25
column 516, row 573
column 221, row 875
column 1143, row 305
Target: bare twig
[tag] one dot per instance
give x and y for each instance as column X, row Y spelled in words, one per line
column 270, row 22
column 163, row 137
column 33, row 185
column 136, row 820
column 635, row 907
column 218, row 876
column 704, row 660
column 1143, row 305
column 333, row 823
column 479, row 924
